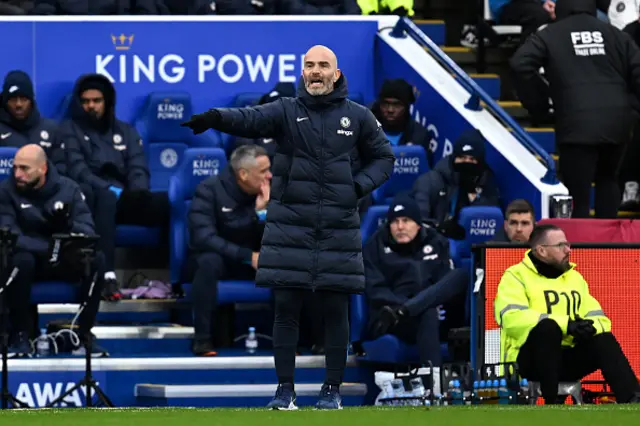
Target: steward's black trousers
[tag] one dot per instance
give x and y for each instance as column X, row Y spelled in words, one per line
column 543, row 359
column 334, row 308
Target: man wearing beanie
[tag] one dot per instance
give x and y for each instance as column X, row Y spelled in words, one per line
column 409, row 275
column 106, row 155
column 21, row 123
column 392, row 109
column 460, row 180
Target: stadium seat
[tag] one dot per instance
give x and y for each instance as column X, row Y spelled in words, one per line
column 181, row 190
column 6, row 161
column 411, row 162
column 164, row 139
column 480, row 224
column 246, row 99
column 48, row 292
column 62, row 111
column 373, row 218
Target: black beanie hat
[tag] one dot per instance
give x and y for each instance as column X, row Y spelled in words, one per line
column 470, row 142
column 17, row 83
column 404, row 206
column 398, row 89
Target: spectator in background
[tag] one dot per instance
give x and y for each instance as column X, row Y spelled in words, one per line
column 21, row 123
column 386, row 7
column 590, row 76
column 318, row 7
column 392, row 109
column 35, row 203
column 106, row 157
column 281, row 90
column 518, row 223
column 459, row 180
column 15, row 7
column 226, row 223
column 529, row 14
column 409, row 274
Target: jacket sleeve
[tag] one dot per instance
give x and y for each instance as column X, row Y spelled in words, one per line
column 263, row 121
column 633, row 64
column 377, row 289
column 9, row 220
column 445, row 264
column 422, row 193
column 77, row 166
column 81, row 215
column 377, row 155
column 590, row 309
column 57, row 155
column 203, row 229
column 525, row 66
column 137, row 169
column 512, row 311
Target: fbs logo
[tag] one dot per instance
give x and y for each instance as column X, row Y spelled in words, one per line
column 122, row 42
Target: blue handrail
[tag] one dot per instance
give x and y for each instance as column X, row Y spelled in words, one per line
column 477, row 94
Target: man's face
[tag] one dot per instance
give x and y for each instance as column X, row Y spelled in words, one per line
column 555, row 250
column 254, row 177
column 465, row 159
column 92, row 101
column 393, row 111
column 518, row 227
column 319, row 72
column 27, row 172
column 19, row 107
column 404, row 230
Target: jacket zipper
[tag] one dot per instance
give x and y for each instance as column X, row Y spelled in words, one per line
column 318, row 230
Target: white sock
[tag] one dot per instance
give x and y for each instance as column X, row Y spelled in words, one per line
column 110, row 275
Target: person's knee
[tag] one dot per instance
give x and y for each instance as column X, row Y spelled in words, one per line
column 24, row 261
column 99, row 262
column 209, row 265
column 548, row 330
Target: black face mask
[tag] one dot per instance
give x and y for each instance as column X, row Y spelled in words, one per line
column 469, row 175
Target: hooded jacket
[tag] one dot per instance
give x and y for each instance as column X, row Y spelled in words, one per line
column 591, row 67
column 331, row 152
column 34, row 129
column 103, row 152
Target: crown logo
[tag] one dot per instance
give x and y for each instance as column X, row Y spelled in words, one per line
column 122, row 42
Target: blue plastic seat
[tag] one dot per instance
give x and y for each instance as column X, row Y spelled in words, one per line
column 480, row 224
column 6, row 161
column 411, row 163
column 181, row 190
column 48, row 292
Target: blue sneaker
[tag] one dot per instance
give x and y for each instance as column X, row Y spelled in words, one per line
column 329, row 398
column 285, row 399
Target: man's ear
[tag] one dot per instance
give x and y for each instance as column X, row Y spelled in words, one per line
column 337, row 75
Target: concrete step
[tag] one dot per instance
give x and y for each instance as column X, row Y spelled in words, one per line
column 434, row 29
column 490, row 83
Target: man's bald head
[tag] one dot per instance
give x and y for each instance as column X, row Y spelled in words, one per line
column 320, row 70
column 30, row 167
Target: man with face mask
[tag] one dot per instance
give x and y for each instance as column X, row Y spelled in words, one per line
column 226, row 223
column 552, row 327
column 35, row 203
column 331, row 152
column 21, row 123
column 106, row 155
column 459, row 180
column 409, row 276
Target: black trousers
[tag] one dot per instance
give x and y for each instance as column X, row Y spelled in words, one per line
column 204, row 271
column 543, row 359
column 36, row 268
column 286, row 327
column 527, row 13
column 143, row 208
column 582, row 164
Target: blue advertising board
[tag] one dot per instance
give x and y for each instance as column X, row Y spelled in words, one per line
column 212, row 60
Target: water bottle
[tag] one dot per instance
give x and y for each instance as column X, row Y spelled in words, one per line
column 42, row 344
column 524, row 387
column 417, row 391
column 503, row 392
column 456, row 393
column 251, row 342
column 493, row 392
column 482, row 392
column 398, row 391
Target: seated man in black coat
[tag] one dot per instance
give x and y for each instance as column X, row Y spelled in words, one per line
column 21, row 123
column 105, row 156
column 226, row 222
column 409, row 274
column 519, row 221
column 459, row 180
column 35, row 203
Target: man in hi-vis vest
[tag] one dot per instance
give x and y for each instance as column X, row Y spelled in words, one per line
column 552, row 327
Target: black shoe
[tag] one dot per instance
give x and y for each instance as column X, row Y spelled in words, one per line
column 388, row 319
column 203, row 348
column 111, row 291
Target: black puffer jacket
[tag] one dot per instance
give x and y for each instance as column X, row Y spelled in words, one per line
column 331, row 152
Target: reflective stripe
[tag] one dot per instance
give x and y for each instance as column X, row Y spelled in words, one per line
column 601, row 325
column 599, row 313
column 543, row 316
column 511, row 308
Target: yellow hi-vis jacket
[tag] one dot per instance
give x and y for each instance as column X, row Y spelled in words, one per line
column 525, row 297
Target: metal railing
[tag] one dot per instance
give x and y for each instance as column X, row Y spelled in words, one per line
column 478, row 95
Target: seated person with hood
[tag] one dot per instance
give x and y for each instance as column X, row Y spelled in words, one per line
column 459, row 180
column 21, row 123
column 282, row 90
column 409, row 275
column 519, row 221
column 36, row 203
column 392, row 111
column 106, row 155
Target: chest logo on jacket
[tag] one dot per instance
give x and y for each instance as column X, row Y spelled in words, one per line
column 345, row 122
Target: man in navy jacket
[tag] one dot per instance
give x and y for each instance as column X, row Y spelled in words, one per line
column 331, row 152
column 35, row 203
column 21, row 123
column 409, row 275
column 226, row 222
column 105, row 156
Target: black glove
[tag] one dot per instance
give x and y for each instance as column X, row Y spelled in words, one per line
column 581, row 329
column 60, row 218
column 452, row 229
column 200, row 123
column 389, row 317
